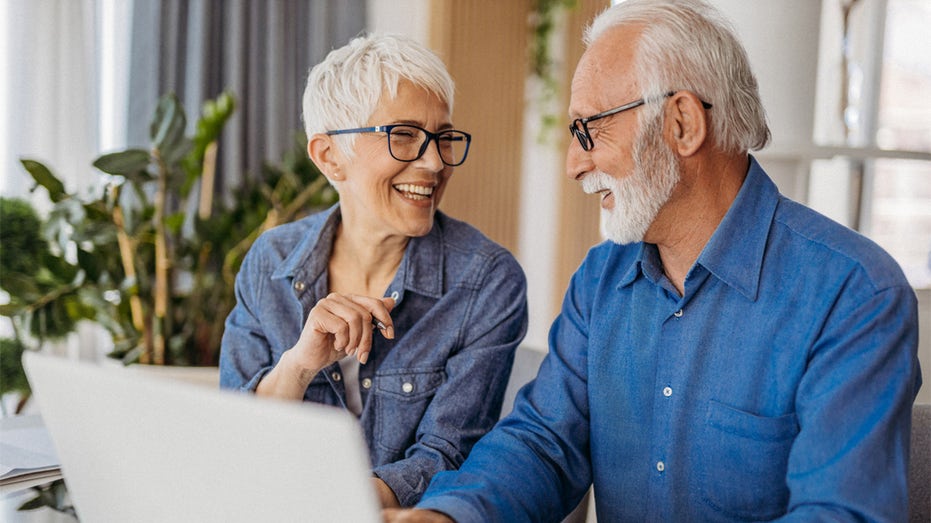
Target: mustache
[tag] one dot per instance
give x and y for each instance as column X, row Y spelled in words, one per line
column 597, row 181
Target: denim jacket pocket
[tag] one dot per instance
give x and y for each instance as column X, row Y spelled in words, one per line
column 743, row 467
column 401, row 399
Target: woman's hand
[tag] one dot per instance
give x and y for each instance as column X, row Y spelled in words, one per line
column 338, row 325
column 341, row 325
column 386, row 496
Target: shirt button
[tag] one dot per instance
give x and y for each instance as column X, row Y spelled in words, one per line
column 660, row 466
column 678, row 313
column 299, row 286
column 366, row 383
column 408, row 387
column 667, row 391
column 336, row 376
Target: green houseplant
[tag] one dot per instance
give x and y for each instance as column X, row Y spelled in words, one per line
column 145, row 255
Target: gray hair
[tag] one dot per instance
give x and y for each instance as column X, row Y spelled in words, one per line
column 689, row 45
column 343, row 90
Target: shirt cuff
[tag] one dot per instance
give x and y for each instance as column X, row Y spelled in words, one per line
column 454, row 507
column 395, row 476
column 252, row 384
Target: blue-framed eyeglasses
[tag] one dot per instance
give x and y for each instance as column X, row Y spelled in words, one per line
column 579, row 126
column 407, row 143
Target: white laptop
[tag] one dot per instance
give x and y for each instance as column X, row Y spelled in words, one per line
column 139, row 448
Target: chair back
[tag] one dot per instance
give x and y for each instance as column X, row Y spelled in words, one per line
column 919, row 468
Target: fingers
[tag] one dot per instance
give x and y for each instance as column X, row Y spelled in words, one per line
column 379, row 309
column 345, row 323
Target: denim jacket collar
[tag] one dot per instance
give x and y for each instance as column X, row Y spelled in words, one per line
column 734, row 254
column 418, row 272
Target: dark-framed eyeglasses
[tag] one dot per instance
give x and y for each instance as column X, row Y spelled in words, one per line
column 579, row 126
column 407, row 143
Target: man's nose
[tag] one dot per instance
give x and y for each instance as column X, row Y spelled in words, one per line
column 578, row 161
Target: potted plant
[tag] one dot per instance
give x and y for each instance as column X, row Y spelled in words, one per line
column 143, row 254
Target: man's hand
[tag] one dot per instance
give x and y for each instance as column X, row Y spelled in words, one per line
column 413, row 515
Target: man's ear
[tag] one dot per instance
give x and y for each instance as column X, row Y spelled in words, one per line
column 686, row 123
column 323, row 152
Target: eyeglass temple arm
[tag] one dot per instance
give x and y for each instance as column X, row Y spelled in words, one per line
column 704, row 104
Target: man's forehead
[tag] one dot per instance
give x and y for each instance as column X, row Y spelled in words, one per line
column 605, row 73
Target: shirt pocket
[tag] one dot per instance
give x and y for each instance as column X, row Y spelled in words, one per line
column 743, row 464
column 401, row 398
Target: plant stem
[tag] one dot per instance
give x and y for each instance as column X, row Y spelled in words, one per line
column 129, row 267
column 160, row 290
column 208, row 173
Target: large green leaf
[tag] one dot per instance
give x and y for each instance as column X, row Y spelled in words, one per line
column 124, row 163
column 167, row 128
column 43, row 176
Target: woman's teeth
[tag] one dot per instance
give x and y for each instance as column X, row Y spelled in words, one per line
column 414, row 192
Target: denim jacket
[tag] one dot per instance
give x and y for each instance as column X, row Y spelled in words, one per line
column 429, row 394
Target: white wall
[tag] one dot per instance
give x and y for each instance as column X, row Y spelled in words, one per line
column 781, row 39
column 408, row 17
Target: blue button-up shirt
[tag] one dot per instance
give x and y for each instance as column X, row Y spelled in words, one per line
column 779, row 385
column 429, row 394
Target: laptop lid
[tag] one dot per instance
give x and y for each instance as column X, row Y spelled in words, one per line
column 135, row 447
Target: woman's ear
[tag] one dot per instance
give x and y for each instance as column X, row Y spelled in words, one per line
column 686, row 123
column 325, row 155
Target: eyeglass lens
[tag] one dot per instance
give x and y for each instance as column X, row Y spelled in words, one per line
column 407, row 143
column 580, row 131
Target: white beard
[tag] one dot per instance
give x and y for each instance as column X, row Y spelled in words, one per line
column 639, row 196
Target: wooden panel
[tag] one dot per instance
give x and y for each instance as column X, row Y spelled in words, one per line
column 484, row 44
column 579, row 212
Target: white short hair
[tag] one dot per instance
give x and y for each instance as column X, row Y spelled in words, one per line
column 689, row 45
column 343, row 90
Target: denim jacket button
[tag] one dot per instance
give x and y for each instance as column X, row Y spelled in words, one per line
column 408, row 387
column 299, row 286
column 336, row 376
column 366, row 383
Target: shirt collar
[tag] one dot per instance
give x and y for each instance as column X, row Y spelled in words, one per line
column 309, row 258
column 734, row 254
column 421, row 269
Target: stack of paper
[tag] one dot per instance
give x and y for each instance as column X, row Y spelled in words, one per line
column 27, row 454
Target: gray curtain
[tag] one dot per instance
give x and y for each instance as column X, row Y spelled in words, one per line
column 260, row 50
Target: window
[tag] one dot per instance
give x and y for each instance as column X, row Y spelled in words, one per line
column 897, row 214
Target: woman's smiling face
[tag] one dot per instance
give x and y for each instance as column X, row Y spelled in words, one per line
column 387, row 197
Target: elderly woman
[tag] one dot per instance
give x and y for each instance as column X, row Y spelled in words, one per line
column 449, row 305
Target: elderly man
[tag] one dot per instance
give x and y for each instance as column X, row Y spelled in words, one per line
column 730, row 355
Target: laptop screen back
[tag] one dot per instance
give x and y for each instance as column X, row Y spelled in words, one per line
column 139, row 448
